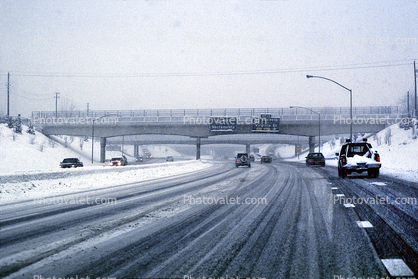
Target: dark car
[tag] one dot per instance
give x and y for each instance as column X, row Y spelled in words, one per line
column 70, row 163
column 266, row 159
column 358, row 157
column 169, row 159
column 315, row 159
column 252, row 159
column 118, row 161
column 242, row 159
column 139, row 159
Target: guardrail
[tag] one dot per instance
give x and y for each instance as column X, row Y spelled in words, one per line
column 179, row 115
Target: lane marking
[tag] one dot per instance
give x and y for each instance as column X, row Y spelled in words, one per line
column 364, row 224
column 378, row 183
column 349, row 205
column 334, row 188
column 340, row 195
column 397, row 267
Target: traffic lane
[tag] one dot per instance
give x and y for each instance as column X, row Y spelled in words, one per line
column 34, row 234
column 390, row 207
column 140, row 212
column 299, row 232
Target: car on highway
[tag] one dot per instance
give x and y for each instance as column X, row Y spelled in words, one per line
column 315, row 159
column 358, row 157
column 266, row 159
column 169, row 159
column 242, row 159
column 139, row 159
column 118, row 161
column 70, row 163
column 252, row 158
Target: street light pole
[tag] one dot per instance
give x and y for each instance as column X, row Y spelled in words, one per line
column 351, row 101
column 319, row 124
column 92, row 141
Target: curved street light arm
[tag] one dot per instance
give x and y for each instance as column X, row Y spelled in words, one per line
column 309, row 76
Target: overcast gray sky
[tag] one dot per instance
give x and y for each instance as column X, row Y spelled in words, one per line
column 137, row 54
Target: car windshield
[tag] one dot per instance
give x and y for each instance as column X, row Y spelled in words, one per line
column 69, row 160
column 116, row 159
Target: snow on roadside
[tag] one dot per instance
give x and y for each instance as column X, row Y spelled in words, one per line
column 397, row 148
column 26, row 152
column 37, row 189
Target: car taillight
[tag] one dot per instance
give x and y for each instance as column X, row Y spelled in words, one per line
column 378, row 158
column 343, row 160
column 323, row 159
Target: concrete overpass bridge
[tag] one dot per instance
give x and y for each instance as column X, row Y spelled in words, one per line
column 233, row 139
column 197, row 123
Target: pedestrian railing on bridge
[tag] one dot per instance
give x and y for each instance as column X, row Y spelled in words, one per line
column 190, row 115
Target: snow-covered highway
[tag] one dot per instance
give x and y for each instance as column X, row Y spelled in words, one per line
column 280, row 220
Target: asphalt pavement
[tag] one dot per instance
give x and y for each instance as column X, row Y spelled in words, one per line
column 279, row 220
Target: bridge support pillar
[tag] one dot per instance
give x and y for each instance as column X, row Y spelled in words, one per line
column 198, row 149
column 102, row 150
column 311, row 144
column 136, row 150
column 247, row 148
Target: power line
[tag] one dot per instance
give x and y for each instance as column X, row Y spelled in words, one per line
column 33, row 99
column 236, row 73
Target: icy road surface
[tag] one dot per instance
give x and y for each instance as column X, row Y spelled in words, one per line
column 268, row 221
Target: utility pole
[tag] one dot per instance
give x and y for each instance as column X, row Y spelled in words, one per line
column 56, row 104
column 415, row 82
column 87, row 109
column 8, row 96
column 407, row 104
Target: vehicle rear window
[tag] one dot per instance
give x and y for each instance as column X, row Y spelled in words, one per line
column 357, row 150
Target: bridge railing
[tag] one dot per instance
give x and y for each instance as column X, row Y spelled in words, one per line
column 180, row 115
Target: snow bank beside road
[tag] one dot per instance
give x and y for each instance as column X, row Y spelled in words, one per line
column 397, row 148
column 56, row 184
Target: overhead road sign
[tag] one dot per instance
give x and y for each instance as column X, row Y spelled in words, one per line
column 266, row 124
column 223, row 124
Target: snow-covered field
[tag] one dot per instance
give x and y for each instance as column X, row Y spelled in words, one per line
column 397, row 148
column 30, row 167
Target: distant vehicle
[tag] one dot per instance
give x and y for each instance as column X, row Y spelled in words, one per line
column 119, row 161
column 169, row 159
column 315, row 159
column 358, row 157
column 225, row 158
column 266, row 159
column 242, row 159
column 149, row 156
column 70, row 163
column 139, row 159
column 252, row 159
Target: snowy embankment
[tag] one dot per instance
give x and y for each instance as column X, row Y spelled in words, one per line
column 67, row 181
column 30, row 168
column 398, row 150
